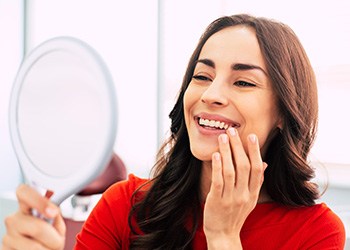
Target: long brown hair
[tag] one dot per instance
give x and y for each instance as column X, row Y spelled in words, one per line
column 168, row 213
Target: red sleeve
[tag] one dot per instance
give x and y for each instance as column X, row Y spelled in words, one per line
column 107, row 226
column 326, row 231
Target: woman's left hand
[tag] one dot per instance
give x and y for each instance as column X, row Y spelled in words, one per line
column 237, row 178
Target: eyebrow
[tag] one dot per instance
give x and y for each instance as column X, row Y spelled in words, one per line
column 235, row 66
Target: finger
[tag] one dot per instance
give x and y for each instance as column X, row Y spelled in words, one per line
column 3, row 247
column 29, row 199
column 20, row 242
column 60, row 225
column 256, row 173
column 6, row 243
column 217, row 182
column 228, row 170
column 34, row 228
column 241, row 161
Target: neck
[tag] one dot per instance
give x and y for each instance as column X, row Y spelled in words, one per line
column 206, row 182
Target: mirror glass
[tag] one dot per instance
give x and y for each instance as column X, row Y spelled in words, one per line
column 63, row 116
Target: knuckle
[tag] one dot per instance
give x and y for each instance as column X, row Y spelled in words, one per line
column 244, row 166
column 258, row 170
column 9, row 220
column 242, row 200
column 217, row 185
column 230, row 175
column 20, row 189
column 226, row 206
column 6, row 240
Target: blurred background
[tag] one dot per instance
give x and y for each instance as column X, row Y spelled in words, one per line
column 146, row 45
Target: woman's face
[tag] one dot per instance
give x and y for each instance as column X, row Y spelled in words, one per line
column 229, row 88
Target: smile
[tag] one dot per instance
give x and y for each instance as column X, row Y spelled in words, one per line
column 215, row 124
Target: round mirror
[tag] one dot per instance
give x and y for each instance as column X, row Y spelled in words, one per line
column 63, row 116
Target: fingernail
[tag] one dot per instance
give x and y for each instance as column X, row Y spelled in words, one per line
column 224, row 138
column 252, row 138
column 232, row 131
column 51, row 212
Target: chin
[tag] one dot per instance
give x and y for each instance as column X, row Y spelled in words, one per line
column 203, row 154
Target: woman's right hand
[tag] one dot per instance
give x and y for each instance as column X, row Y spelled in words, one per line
column 237, row 177
column 24, row 231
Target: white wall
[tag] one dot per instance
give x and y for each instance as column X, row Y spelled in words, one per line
column 322, row 26
column 10, row 58
column 125, row 35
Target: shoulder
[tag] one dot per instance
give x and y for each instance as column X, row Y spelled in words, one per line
column 324, row 227
column 319, row 215
column 123, row 190
column 316, row 216
column 309, row 227
column 323, row 213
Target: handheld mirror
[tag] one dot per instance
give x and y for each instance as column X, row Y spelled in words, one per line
column 62, row 116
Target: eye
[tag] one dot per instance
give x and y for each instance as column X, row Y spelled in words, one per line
column 244, row 84
column 201, row 78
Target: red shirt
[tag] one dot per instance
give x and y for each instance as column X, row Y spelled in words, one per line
column 269, row 226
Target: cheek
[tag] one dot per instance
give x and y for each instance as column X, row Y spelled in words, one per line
column 262, row 121
column 186, row 106
column 268, row 132
column 189, row 100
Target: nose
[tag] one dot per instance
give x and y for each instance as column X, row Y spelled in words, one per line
column 215, row 94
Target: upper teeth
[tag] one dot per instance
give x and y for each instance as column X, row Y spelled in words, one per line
column 213, row 123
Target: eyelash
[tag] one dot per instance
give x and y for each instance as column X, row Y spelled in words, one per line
column 244, row 84
column 241, row 84
column 201, row 78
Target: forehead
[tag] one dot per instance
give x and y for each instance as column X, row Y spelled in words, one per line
column 236, row 44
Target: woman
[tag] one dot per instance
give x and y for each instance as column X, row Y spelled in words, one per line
column 234, row 173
